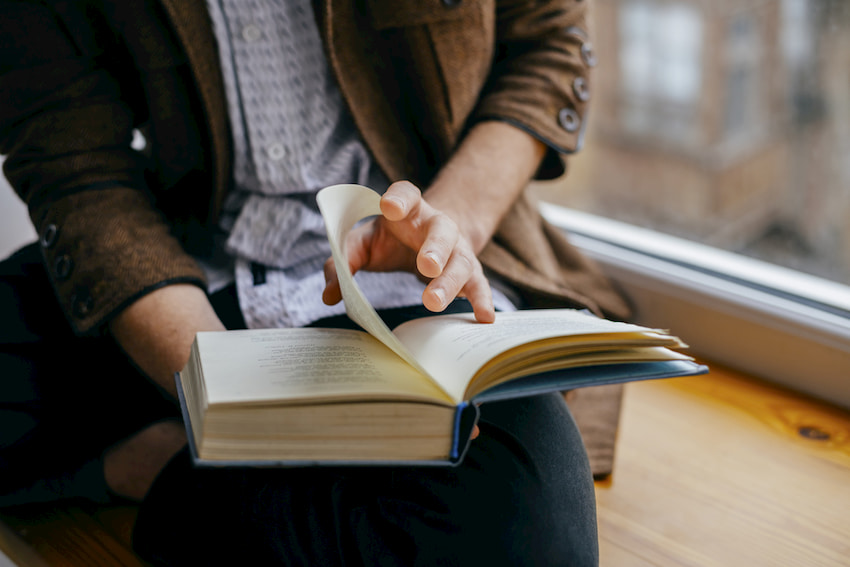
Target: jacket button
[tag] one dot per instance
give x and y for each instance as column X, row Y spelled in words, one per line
column 588, row 55
column 581, row 90
column 569, row 119
column 62, row 267
column 49, row 235
column 576, row 32
column 81, row 303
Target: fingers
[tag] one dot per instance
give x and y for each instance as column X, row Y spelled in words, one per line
column 413, row 235
column 431, row 233
column 332, row 294
column 440, row 244
column 462, row 276
column 443, row 255
column 478, row 293
column 400, row 199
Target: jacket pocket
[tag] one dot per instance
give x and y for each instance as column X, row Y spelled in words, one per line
column 447, row 47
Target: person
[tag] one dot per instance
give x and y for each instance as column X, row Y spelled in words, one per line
column 169, row 154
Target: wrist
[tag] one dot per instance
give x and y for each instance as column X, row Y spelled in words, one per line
column 478, row 186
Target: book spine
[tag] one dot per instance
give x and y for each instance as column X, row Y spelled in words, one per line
column 455, row 452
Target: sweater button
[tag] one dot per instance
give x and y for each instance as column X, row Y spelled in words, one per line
column 251, row 33
column 276, row 151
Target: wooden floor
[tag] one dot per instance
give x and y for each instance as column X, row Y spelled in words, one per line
column 70, row 537
column 714, row 471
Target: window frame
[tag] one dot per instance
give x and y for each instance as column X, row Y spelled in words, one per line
column 774, row 323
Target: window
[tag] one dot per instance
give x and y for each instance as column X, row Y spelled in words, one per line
column 744, row 76
column 715, row 178
column 724, row 122
column 660, row 68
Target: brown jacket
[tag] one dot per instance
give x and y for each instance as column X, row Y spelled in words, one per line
column 77, row 76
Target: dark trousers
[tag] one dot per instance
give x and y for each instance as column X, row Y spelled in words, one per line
column 522, row 496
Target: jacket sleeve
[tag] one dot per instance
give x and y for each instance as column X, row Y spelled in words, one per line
column 540, row 79
column 66, row 130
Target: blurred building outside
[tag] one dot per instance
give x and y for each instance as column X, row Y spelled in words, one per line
column 726, row 122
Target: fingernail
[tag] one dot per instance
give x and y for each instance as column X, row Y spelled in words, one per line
column 441, row 297
column 433, row 257
column 396, row 201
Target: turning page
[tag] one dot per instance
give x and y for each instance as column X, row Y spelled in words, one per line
column 342, row 207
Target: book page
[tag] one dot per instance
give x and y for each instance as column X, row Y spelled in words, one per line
column 342, row 207
column 453, row 347
column 293, row 365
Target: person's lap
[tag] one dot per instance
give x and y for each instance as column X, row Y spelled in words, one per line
column 523, row 494
column 513, row 501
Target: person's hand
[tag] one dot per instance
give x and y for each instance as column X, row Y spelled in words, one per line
column 414, row 236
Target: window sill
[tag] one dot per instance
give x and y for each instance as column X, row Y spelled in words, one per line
column 778, row 324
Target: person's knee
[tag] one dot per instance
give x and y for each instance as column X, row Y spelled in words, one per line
column 503, row 533
column 538, row 524
column 501, row 507
column 530, row 492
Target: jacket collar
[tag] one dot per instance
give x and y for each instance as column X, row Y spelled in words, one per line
column 341, row 26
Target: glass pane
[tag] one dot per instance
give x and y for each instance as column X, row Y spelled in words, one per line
column 724, row 122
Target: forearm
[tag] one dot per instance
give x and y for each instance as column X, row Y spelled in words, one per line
column 157, row 330
column 65, row 130
column 489, row 171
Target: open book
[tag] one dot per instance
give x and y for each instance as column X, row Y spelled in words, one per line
column 332, row 396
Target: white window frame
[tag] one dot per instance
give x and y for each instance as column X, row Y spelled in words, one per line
column 774, row 323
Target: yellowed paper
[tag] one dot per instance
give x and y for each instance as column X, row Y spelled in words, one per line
column 284, row 364
column 453, row 347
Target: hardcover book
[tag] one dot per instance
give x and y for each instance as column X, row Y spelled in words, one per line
column 276, row 397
